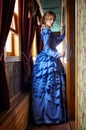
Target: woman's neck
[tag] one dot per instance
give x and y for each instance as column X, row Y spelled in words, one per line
column 47, row 26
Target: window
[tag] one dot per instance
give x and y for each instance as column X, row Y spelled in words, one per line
column 34, row 48
column 12, row 48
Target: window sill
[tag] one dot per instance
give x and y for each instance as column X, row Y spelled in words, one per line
column 12, row 58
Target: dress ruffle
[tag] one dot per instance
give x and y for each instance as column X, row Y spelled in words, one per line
column 48, row 76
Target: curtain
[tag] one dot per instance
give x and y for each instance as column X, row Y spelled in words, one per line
column 39, row 41
column 28, row 26
column 6, row 12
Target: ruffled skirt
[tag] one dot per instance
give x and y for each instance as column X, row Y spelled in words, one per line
column 48, row 90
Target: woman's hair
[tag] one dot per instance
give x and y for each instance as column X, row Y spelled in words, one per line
column 47, row 15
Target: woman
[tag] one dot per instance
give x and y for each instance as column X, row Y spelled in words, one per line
column 48, row 78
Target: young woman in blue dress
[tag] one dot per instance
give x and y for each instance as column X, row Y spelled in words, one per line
column 48, row 78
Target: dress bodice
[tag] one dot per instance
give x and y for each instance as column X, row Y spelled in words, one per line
column 50, row 41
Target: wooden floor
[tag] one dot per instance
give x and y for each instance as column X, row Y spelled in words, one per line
column 70, row 125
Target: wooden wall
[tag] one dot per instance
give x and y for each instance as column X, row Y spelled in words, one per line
column 13, row 71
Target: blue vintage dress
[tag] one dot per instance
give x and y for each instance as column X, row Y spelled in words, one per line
column 48, row 83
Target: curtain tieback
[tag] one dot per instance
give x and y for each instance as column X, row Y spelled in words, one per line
column 25, row 57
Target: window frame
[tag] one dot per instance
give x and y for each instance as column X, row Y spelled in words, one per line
column 15, row 30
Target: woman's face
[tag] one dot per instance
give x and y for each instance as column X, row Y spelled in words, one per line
column 49, row 21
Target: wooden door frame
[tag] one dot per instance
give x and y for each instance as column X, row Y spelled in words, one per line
column 70, row 71
column 76, row 57
column 76, row 65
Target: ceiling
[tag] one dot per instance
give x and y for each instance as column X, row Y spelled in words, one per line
column 53, row 5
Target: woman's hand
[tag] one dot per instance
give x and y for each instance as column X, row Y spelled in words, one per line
column 62, row 54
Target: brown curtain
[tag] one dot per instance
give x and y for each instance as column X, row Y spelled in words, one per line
column 28, row 25
column 6, row 12
column 39, row 41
